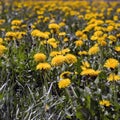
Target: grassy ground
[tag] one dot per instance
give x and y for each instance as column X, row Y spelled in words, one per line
column 59, row 60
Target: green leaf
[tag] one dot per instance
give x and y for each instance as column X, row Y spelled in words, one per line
column 1, row 96
column 88, row 102
column 79, row 115
column 69, row 117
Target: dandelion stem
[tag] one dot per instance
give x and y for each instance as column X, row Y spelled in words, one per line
column 74, row 92
column 114, row 92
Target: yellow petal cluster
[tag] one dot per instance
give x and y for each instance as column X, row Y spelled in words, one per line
column 16, row 22
column 43, row 66
column 90, row 72
column 105, row 103
column 58, row 60
column 70, row 58
column 111, row 63
column 39, row 57
column 65, row 74
column 113, row 77
column 54, row 26
column 64, row 83
column 38, row 33
column 2, row 49
column 93, row 50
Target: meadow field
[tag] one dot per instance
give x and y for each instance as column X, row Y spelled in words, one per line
column 59, row 60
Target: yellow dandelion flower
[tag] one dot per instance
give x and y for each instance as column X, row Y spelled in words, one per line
column 65, row 74
column 39, row 57
column 54, row 45
column 82, row 53
column 46, row 19
column 54, row 53
column 94, row 50
column 65, row 40
column 97, row 28
column 98, row 33
column 90, row 72
column 16, row 22
column 117, row 26
column 105, row 103
column 118, row 35
column 32, row 26
column 62, row 34
column 118, row 10
column 111, row 63
column 112, row 38
column 64, row 51
column 61, row 24
column 58, row 60
column 10, row 34
column 20, row 35
column 24, row 26
column 43, row 42
column 7, row 39
column 81, row 17
column 93, row 37
column 15, row 27
column 101, row 41
column 52, row 21
column 43, row 35
column 89, row 27
column 86, row 64
column 43, row 66
column 79, row 33
column 115, row 18
column 70, row 58
column 54, row 26
column 117, row 48
column 2, row 49
column 1, row 40
column 83, row 67
column 52, row 42
column 84, row 37
column 48, row 33
column 38, row 33
column 110, row 28
column 78, row 43
column 113, row 77
column 64, row 83
column 2, row 21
